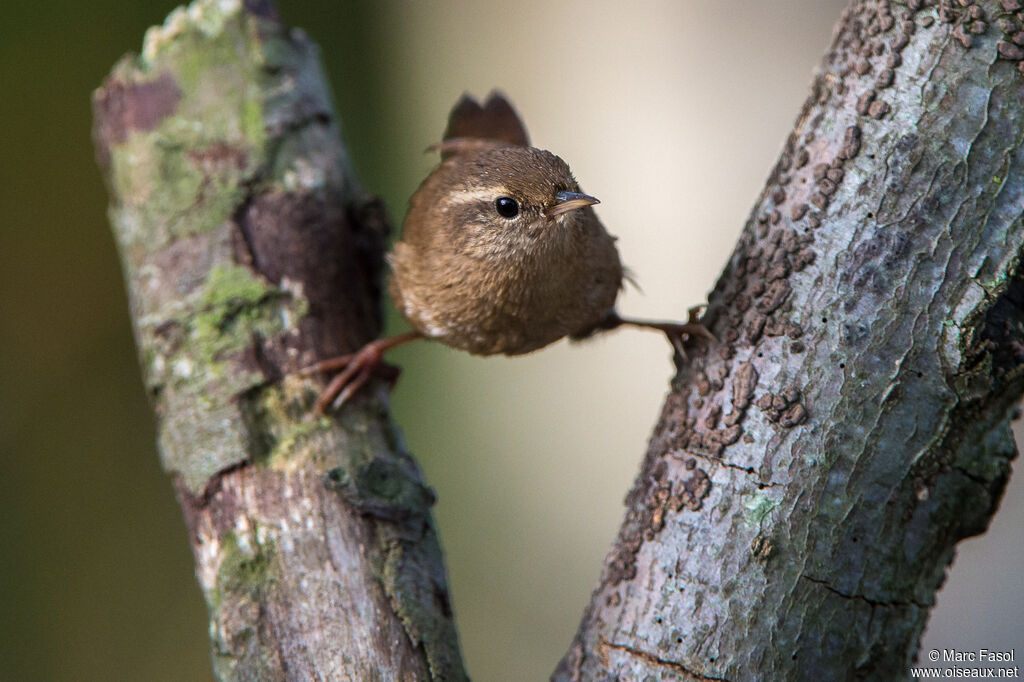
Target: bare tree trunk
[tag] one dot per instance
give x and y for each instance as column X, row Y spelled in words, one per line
column 249, row 251
column 811, row 475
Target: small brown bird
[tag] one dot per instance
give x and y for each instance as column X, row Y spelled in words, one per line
column 501, row 252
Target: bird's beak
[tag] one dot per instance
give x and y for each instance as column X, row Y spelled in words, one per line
column 570, row 201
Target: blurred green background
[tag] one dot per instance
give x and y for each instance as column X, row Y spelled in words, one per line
column 671, row 112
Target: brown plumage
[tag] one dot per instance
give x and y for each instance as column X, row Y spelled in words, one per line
column 476, row 280
column 501, row 252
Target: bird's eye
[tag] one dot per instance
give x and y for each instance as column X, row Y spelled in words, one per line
column 507, row 207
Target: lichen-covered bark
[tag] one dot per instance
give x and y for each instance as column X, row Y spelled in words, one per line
column 812, row 473
column 249, row 251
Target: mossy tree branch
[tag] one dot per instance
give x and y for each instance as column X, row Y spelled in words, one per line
column 811, row 475
column 249, row 251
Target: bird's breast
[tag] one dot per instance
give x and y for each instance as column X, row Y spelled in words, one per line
column 511, row 302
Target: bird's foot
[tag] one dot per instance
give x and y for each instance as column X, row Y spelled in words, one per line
column 355, row 370
column 675, row 331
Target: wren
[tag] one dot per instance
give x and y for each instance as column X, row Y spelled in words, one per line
column 501, row 252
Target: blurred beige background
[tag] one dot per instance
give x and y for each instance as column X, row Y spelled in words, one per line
column 672, row 113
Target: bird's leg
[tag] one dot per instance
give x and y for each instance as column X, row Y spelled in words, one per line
column 672, row 328
column 356, row 369
column 675, row 331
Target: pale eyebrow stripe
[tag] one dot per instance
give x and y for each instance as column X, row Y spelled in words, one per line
column 473, row 195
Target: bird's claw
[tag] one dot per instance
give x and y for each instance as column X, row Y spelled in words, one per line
column 694, row 313
column 356, row 369
column 676, row 332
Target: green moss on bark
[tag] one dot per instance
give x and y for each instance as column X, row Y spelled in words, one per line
column 236, row 213
column 246, row 567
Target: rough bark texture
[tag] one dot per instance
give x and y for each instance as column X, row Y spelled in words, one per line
column 249, row 251
column 811, row 475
